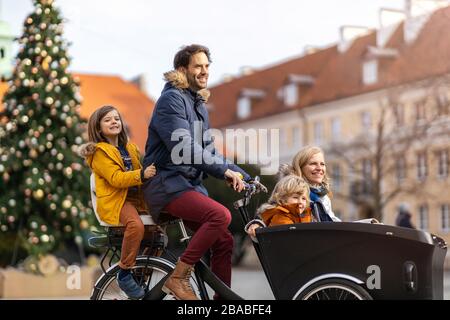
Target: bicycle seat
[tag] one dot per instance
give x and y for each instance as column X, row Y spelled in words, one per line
column 147, row 219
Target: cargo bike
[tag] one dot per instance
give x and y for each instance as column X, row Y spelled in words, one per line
column 309, row 261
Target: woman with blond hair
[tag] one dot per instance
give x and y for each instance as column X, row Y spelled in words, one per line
column 309, row 164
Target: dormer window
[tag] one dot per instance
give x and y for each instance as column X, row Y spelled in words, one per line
column 244, row 107
column 290, row 94
column 244, row 103
column 370, row 72
column 294, row 82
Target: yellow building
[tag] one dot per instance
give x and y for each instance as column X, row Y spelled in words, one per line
column 378, row 103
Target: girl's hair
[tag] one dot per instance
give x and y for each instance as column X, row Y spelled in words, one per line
column 301, row 159
column 94, row 131
column 289, row 186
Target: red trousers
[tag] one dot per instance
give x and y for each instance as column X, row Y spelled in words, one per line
column 209, row 220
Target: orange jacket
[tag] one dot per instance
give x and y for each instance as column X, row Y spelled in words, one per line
column 112, row 180
column 286, row 214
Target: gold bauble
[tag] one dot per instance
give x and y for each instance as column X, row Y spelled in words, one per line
column 38, row 194
column 84, row 224
column 33, row 154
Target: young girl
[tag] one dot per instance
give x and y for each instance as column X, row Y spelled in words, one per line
column 118, row 176
column 289, row 203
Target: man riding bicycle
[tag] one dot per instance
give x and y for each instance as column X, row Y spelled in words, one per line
column 180, row 146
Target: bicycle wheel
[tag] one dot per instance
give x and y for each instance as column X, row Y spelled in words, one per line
column 147, row 272
column 334, row 289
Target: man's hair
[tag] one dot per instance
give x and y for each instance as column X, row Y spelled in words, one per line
column 183, row 57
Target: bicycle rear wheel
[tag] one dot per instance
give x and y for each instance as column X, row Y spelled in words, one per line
column 147, row 272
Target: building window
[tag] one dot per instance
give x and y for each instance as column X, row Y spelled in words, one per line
column 244, row 107
column 367, row 176
column 290, row 94
column 442, row 104
column 370, row 72
column 422, row 169
column 336, row 177
column 423, row 217
column 318, row 133
column 366, row 120
column 442, row 156
column 335, row 129
column 399, row 114
column 420, row 110
column 400, row 169
column 296, row 136
column 445, row 217
column 283, row 139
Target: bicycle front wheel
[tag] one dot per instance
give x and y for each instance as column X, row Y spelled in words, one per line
column 148, row 272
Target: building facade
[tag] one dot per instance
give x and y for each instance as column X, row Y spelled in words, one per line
column 378, row 103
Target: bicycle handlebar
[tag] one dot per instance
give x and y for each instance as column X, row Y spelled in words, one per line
column 254, row 186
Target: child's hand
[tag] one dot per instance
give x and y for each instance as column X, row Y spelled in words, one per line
column 150, row 171
column 251, row 229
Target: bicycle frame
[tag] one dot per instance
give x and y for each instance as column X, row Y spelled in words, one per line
column 202, row 273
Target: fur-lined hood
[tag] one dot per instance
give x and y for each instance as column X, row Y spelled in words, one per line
column 179, row 80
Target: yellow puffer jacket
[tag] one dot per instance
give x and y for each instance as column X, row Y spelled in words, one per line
column 111, row 178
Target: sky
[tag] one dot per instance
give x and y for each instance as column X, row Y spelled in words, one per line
column 133, row 37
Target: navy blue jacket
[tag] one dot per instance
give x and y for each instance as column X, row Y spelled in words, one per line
column 177, row 112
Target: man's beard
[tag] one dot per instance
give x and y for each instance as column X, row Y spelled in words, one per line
column 193, row 84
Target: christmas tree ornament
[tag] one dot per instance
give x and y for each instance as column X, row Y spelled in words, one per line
column 49, row 101
column 67, row 204
column 38, row 194
column 33, row 154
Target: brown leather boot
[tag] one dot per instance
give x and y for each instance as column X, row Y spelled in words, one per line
column 178, row 283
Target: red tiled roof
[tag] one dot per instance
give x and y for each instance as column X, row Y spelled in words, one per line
column 98, row 90
column 339, row 75
column 224, row 96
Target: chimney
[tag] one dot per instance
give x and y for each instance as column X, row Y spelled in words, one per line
column 389, row 20
column 140, row 82
column 418, row 12
column 246, row 70
column 348, row 34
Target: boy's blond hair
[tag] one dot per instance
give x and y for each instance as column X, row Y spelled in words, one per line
column 286, row 187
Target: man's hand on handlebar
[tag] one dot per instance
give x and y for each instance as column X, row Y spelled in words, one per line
column 235, row 180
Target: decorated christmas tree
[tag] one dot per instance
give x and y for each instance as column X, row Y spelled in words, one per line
column 44, row 186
